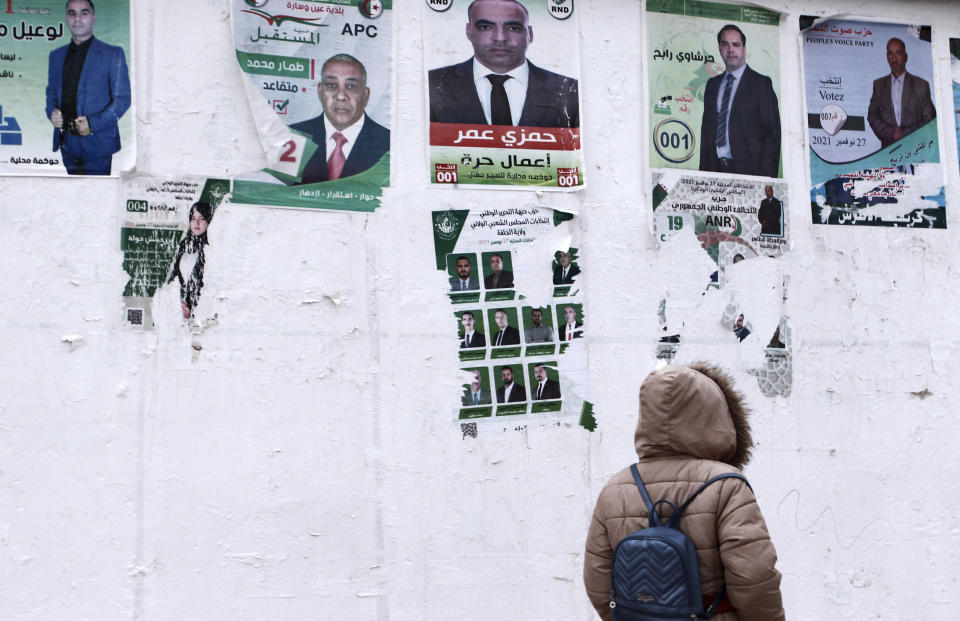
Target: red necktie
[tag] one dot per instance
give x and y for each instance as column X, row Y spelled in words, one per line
column 337, row 160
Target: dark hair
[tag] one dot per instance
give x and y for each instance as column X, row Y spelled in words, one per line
column 525, row 11
column 898, row 40
column 344, row 58
column 468, row 313
column 743, row 37
column 93, row 9
column 205, row 210
column 464, row 257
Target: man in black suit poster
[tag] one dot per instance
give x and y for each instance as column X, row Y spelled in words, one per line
column 510, row 391
column 498, row 85
column 507, row 334
column 740, row 129
column 770, row 214
column 546, row 388
column 348, row 141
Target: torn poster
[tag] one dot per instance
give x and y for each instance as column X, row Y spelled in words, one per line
column 318, row 78
column 714, row 81
column 164, row 239
column 504, row 107
column 734, row 218
column 52, row 122
column 872, row 125
column 515, row 281
column 740, row 223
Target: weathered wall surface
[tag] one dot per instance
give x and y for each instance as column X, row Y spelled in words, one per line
column 304, row 464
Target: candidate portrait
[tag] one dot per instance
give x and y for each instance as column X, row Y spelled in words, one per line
column 88, row 90
column 770, row 213
column 571, row 327
column 509, row 390
column 505, row 334
column 464, row 279
column 544, row 387
column 564, row 269
column 348, row 140
column 740, row 128
column 499, row 85
column 900, row 102
column 469, row 336
column 537, row 331
column 477, row 392
column 496, row 276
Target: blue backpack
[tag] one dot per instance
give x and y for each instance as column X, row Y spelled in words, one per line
column 655, row 574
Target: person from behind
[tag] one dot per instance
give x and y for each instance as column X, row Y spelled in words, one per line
column 692, row 426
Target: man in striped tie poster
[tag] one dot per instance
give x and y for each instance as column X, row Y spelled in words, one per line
column 740, row 129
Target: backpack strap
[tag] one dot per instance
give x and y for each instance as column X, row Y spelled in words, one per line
column 651, row 509
column 675, row 518
column 712, row 608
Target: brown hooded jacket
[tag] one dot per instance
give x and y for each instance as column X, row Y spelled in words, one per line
column 693, row 426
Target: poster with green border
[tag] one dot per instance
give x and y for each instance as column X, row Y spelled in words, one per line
column 684, row 61
column 319, row 79
column 529, row 253
column 156, row 228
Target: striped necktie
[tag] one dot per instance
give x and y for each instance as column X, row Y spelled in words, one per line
column 724, row 111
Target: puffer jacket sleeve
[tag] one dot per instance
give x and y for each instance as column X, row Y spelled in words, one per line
column 597, row 562
column 748, row 556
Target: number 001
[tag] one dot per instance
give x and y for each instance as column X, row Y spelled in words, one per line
column 673, row 140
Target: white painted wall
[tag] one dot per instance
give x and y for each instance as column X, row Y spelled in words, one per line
column 306, row 466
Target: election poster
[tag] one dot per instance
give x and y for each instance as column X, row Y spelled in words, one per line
column 51, row 124
column 165, row 241
column 504, row 105
column 737, row 308
column 872, row 125
column 514, row 280
column 955, row 73
column 318, row 76
column 714, row 87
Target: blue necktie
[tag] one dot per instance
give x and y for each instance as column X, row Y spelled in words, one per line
column 476, row 399
column 724, row 111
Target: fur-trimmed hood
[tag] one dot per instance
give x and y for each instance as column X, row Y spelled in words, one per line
column 693, row 410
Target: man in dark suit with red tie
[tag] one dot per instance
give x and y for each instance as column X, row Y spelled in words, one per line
column 572, row 329
column 353, row 140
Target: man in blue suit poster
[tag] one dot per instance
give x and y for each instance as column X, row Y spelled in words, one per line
column 88, row 90
column 349, row 142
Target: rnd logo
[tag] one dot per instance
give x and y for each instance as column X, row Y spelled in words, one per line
column 561, row 9
column 439, row 5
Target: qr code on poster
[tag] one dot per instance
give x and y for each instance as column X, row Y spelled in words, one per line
column 135, row 316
